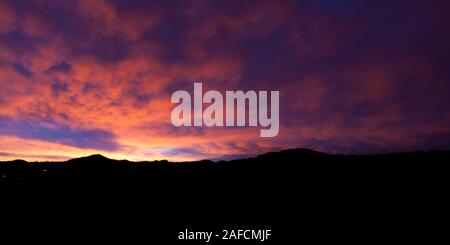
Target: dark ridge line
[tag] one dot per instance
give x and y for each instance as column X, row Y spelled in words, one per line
column 297, row 151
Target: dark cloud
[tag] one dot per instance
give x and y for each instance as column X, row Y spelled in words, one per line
column 66, row 135
column 59, row 87
column 61, row 67
column 22, row 70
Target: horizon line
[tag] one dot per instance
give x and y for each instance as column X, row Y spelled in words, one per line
column 227, row 160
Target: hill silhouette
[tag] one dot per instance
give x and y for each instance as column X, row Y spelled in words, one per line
column 304, row 163
column 298, row 193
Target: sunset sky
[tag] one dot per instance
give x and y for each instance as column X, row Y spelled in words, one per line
column 85, row 77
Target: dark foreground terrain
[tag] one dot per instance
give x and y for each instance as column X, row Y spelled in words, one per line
column 303, row 196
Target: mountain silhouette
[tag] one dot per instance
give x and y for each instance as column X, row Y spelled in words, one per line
column 295, row 192
column 298, row 162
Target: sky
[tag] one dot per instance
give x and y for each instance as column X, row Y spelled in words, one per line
column 355, row 77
